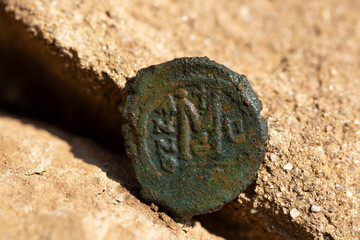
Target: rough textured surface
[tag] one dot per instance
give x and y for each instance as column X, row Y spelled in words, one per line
column 302, row 60
column 57, row 186
column 194, row 134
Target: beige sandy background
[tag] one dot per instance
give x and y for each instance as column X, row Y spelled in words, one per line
column 302, row 59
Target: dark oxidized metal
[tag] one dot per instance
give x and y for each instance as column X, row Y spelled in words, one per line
column 194, row 134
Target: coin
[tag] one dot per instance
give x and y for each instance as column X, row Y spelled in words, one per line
column 194, row 134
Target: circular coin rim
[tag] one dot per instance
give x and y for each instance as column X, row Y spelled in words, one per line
column 133, row 111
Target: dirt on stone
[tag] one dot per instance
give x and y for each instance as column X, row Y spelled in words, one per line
column 58, row 186
column 302, row 59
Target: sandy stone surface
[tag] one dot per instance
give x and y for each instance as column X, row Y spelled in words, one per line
column 302, row 60
column 57, row 186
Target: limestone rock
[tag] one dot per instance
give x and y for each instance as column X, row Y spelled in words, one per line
column 55, row 185
column 301, row 59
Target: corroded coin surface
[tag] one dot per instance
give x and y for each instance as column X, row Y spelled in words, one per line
column 194, row 134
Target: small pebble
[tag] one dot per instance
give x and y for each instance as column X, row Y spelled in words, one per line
column 154, row 207
column 288, row 166
column 294, row 213
column 334, row 72
column 273, row 157
column 285, row 210
column 184, row 18
column 315, row 208
column 339, row 186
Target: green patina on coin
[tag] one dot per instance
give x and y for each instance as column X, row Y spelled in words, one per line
column 194, row 134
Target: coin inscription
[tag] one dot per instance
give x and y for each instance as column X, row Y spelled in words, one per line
column 194, row 134
column 190, row 127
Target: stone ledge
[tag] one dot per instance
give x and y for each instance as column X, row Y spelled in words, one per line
column 64, row 187
column 299, row 57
